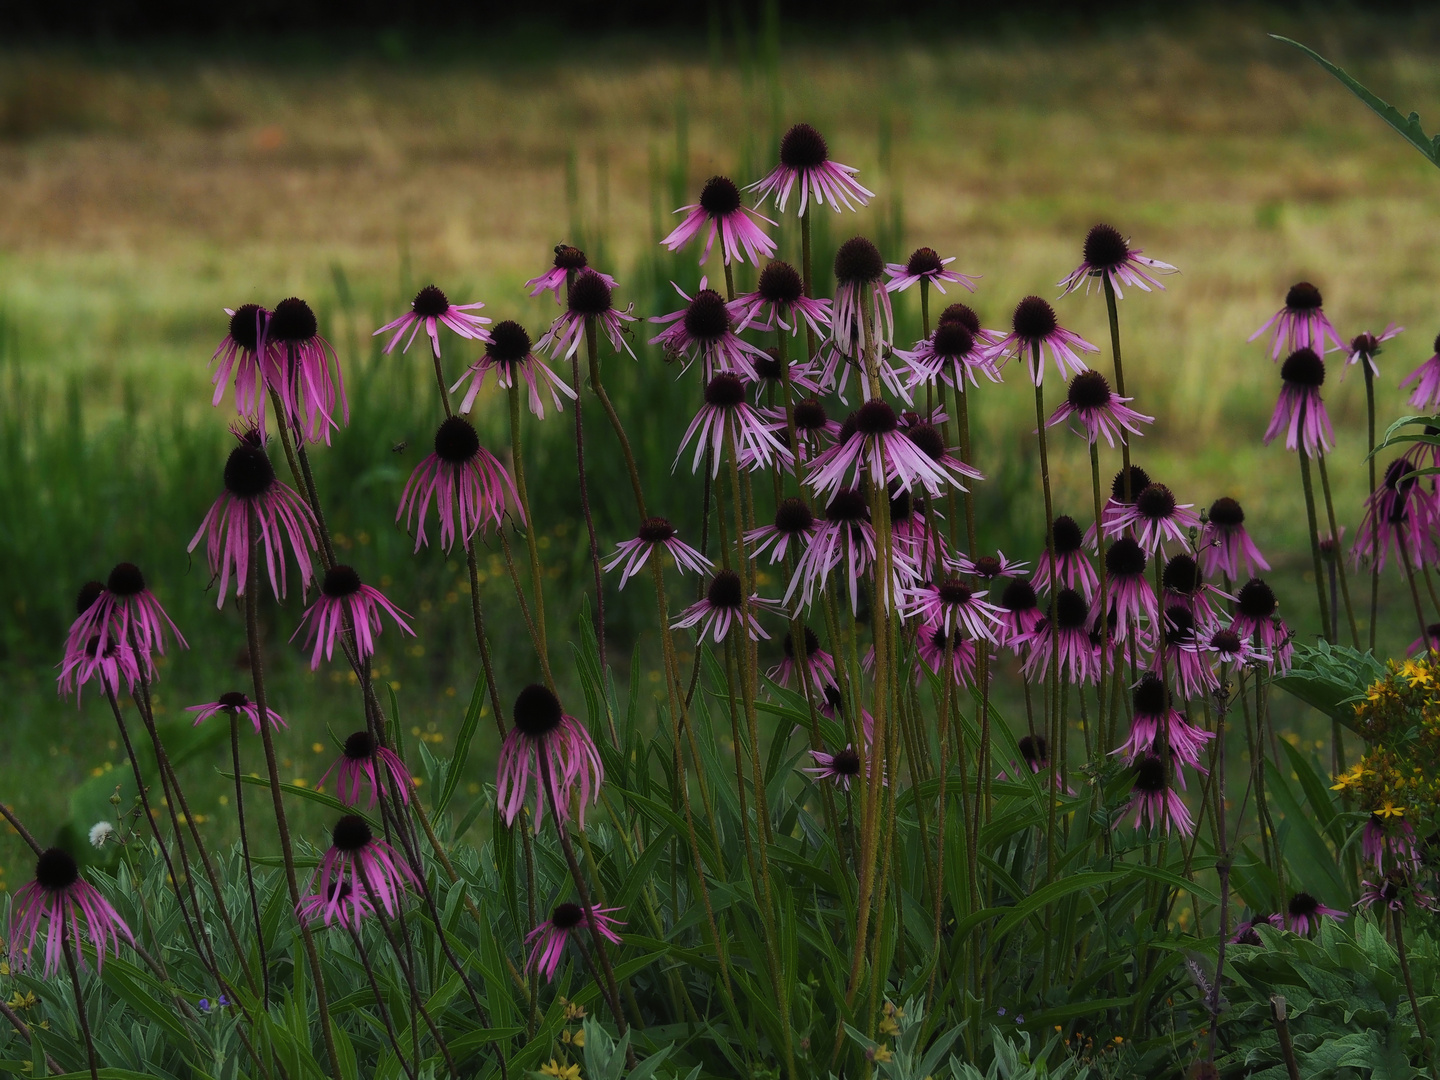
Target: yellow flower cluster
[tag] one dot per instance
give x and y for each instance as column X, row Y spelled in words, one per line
column 1399, row 774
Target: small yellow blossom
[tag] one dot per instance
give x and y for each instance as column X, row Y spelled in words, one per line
column 880, row 1055
column 888, row 1026
column 561, row 1072
column 1388, row 810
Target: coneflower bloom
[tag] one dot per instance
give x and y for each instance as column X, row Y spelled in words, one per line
column 1154, row 803
column 432, row 309
column 925, row 264
column 1245, row 933
column 1035, row 752
column 460, row 476
column 589, row 300
column 568, row 260
column 508, row 353
column 310, row 391
column 930, row 643
column 1391, row 893
column 952, row 603
column 1300, row 324
column 128, row 611
column 1156, row 721
column 989, row 567
column 235, row 703
column 878, row 451
column 794, row 525
column 814, row 430
column 1430, row 642
column 931, row 443
column 552, row 934
column 1303, row 914
column 1156, row 518
column 704, row 330
column 1365, row 347
column 1397, row 517
column 721, row 208
column 1426, row 378
column 64, row 901
column 780, row 295
column 101, row 657
column 952, row 354
column 1230, row 648
column 1131, row 595
column 845, row 536
column 1300, row 412
column 655, row 532
column 1034, row 328
column 722, row 609
column 726, row 413
column 1108, row 256
column 1225, row 545
column 346, row 603
column 1255, row 608
column 1185, row 587
column 1072, row 569
column 805, row 161
column 1101, row 411
column 553, row 745
column 965, row 315
column 346, row 909
column 840, row 768
column 819, row 665
column 1117, row 505
column 364, row 763
column 1019, row 614
column 1078, row 657
column 251, row 489
column 770, row 383
column 370, row 866
column 1382, row 839
column 858, row 267
column 242, row 351
column 919, row 546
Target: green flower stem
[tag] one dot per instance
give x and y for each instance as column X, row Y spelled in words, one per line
column 1337, row 560
column 537, row 576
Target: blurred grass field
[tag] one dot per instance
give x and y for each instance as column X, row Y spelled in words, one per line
column 141, row 191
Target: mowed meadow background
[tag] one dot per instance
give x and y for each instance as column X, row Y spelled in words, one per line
column 145, row 187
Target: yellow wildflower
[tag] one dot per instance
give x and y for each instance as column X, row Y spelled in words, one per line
column 561, row 1072
column 888, row 1026
column 881, row 1055
column 1389, row 810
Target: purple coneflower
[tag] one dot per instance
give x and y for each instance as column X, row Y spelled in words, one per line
column 243, row 352
column 952, row 354
column 1035, row 752
column 127, row 611
column 858, row 266
column 1300, row 411
column 721, row 207
column 879, row 451
column 1365, row 347
column 1019, row 614
column 1109, row 256
column 1101, row 411
column 1303, row 913
column 1255, row 619
column 432, row 309
column 1072, row 569
column 840, row 768
column 1156, row 720
column 251, row 489
column 931, row 443
column 722, row 608
column 65, row 901
column 1230, row 648
column 1156, row 518
column 770, row 380
column 965, row 315
column 568, row 260
column 1131, row 595
column 930, row 642
column 1185, row 587
column 805, row 160
column 358, row 858
column 1431, row 641
column 1389, row 893
column 919, row 546
column 794, row 524
column 346, row 603
column 704, row 330
column 1035, row 329
column 1300, row 324
column 726, row 412
column 814, row 430
column 555, row 746
column 364, row 762
column 819, row 665
column 925, row 264
column 780, row 295
column 1398, row 517
column 589, row 299
column 1225, row 545
column 100, row 656
column 846, row 535
column 1154, row 802
column 552, row 934
column 655, row 532
column 952, row 604
column 310, row 391
column 460, row 474
column 1245, row 932
column 989, row 567
column 1426, row 378
column 342, row 903
column 1078, row 658
column 1117, row 505
column 508, row 353
column 1383, row 839
column 234, row 703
